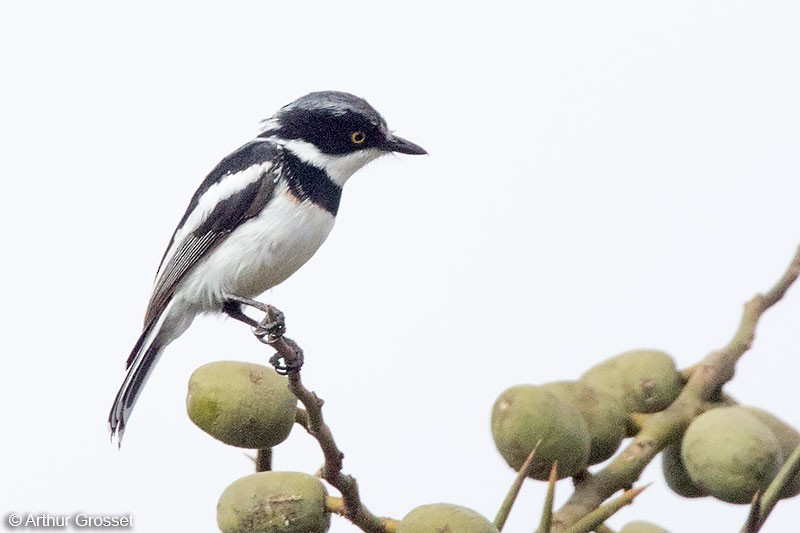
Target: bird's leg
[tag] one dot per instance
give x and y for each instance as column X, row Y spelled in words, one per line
column 272, row 327
column 232, row 306
column 234, row 310
column 269, row 330
column 241, row 300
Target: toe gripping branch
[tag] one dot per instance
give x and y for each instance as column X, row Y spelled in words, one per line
column 288, row 358
column 272, row 326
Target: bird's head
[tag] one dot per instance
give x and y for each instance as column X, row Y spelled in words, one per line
column 335, row 131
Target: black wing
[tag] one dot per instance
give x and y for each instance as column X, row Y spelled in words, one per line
column 226, row 215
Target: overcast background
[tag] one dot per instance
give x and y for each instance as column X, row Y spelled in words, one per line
column 602, row 176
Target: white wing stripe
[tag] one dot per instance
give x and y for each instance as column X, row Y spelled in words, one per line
column 223, row 189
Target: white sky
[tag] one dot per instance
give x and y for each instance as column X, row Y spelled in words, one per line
column 602, row 176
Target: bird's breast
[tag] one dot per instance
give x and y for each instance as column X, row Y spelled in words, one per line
column 264, row 250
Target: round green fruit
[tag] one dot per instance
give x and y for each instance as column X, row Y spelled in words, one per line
column 675, row 473
column 444, row 517
column 646, row 381
column 640, row 526
column 605, row 417
column 788, row 438
column 525, row 414
column 241, row 404
column 274, row 502
column 730, row 453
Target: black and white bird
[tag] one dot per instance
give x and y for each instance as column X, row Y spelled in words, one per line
column 256, row 218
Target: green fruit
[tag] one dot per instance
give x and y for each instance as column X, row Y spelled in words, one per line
column 604, row 415
column 525, row 414
column 274, row 502
column 788, row 438
column 640, row 526
column 676, row 475
column 241, row 404
column 731, row 454
column 444, row 518
column 646, row 381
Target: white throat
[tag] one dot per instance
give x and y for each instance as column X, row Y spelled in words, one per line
column 338, row 167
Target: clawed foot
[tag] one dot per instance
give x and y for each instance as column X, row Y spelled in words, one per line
column 286, row 363
column 283, row 368
column 272, row 327
column 289, row 356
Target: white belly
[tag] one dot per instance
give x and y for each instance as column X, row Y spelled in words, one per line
column 261, row 253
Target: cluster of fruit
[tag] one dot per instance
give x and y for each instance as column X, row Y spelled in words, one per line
column 250, row 406
column 729, row 452
column 583, row 422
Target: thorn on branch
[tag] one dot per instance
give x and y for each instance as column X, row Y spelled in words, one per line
column 508, row 503
column 604, row 512
column 546, row 522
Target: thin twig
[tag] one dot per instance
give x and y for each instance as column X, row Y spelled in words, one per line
column 331, row 471
column 664, row 427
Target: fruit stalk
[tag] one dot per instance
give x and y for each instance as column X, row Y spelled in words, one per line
column 264, row 460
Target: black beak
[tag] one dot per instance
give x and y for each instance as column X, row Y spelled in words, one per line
column 402, row 146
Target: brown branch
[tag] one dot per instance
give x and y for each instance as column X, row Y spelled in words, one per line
column 660, row 429
column 331, row 471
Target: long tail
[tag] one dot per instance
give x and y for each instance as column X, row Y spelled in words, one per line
column 162, row 330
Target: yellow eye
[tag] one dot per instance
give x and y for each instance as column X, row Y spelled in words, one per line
column 358, row 137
